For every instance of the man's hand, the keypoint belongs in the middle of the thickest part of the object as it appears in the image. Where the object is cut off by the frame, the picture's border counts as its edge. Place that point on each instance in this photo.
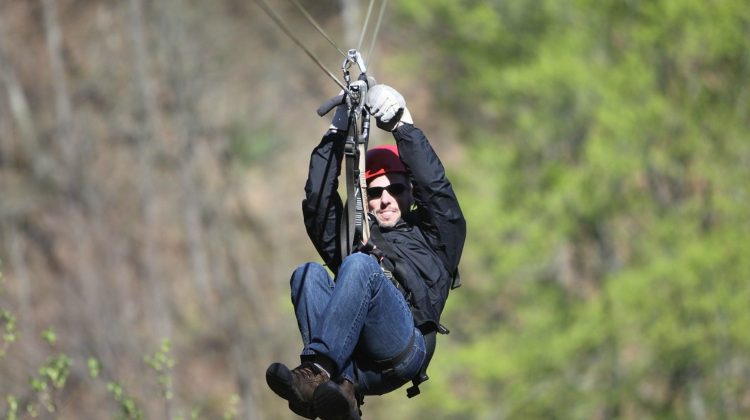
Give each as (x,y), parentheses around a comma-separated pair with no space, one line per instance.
(388,107)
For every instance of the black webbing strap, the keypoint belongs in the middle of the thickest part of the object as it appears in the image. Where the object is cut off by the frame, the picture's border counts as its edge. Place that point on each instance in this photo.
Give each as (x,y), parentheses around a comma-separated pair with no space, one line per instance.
(386,250)
(353,228)
(388,366)
(430,340)
(348,227)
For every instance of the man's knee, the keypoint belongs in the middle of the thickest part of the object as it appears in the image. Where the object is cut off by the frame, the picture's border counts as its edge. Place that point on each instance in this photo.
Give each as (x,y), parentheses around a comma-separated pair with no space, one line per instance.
(307,279)
(305,273)
(364,268)
(359,260)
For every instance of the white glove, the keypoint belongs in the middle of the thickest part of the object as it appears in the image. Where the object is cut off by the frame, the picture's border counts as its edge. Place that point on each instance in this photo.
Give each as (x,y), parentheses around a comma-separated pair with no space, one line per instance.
(387,106)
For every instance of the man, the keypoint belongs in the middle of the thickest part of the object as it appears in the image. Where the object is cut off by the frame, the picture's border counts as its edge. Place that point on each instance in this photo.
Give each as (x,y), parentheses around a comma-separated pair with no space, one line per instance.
(372,329)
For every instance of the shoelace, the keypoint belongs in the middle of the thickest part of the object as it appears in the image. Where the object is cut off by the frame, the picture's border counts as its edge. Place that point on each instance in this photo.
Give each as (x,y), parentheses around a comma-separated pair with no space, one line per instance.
(308,370)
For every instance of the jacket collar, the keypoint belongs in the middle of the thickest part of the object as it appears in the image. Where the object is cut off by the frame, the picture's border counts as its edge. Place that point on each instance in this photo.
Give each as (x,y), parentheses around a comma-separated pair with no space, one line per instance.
(401,224)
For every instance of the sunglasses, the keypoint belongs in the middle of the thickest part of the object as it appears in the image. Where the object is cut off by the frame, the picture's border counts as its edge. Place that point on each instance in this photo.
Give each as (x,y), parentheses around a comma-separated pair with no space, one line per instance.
(393,189)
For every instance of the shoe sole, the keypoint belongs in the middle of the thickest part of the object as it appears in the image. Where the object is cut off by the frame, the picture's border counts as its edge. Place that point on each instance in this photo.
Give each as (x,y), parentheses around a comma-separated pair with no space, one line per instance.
(331,404)
(279,379)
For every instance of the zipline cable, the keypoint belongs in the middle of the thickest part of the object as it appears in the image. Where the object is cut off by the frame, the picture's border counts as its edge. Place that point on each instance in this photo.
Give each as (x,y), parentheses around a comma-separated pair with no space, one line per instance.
(316,26)
(277,19)
(364,27)
(368,55)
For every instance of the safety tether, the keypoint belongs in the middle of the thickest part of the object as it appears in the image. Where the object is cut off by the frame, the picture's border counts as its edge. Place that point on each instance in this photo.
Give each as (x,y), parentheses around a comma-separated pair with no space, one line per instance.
(354,229)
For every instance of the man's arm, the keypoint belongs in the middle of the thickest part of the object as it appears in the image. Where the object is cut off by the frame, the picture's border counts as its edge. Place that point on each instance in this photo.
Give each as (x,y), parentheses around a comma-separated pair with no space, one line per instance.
(322,207)
(441,216)
(439,213)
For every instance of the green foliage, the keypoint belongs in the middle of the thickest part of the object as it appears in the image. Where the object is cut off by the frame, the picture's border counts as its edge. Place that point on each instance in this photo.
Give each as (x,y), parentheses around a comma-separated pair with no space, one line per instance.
(129,409)
(194,415)
(56,370)
(606,200)
(12,413)
(8,331)
(50,336)
(95,367)
(51,379)
(53,374)
(231,412)
(253,146)
(163,364)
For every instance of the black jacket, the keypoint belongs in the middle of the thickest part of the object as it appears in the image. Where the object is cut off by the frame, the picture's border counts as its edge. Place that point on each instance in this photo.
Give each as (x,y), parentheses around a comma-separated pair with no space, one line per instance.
(428,241)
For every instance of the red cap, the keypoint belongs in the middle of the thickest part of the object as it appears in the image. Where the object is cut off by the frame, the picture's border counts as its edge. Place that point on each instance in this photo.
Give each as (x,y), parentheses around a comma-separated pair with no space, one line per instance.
(383,160)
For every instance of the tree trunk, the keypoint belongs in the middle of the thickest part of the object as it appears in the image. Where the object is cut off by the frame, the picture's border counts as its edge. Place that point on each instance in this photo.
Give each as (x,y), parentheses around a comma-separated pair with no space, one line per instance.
(63,103)
(181,75)
(351,15)
(19,106)
(146,116)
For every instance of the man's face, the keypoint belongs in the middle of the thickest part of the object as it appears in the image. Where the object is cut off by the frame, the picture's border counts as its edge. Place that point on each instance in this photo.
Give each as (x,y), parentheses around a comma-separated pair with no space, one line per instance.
(387,195)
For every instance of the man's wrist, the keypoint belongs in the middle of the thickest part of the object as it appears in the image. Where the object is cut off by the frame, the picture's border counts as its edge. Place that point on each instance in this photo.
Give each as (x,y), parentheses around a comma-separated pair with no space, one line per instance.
(402,124)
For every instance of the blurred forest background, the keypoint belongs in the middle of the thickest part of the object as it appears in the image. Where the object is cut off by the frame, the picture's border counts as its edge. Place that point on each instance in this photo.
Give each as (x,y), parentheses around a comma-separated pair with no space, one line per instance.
(152,162)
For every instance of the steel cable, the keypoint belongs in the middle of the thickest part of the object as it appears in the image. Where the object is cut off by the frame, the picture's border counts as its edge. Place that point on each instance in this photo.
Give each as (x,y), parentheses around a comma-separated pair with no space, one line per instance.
(277,19)
(316,26)
(368,55)
(263,4)
(364,26)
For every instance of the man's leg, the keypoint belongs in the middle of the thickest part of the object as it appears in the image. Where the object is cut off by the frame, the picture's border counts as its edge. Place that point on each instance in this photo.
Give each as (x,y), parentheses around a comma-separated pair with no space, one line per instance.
(368,312)
(311,289)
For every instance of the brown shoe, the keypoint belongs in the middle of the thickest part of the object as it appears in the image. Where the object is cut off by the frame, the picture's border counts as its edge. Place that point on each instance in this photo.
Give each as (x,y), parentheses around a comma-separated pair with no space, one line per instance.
(297,385)
(332,401)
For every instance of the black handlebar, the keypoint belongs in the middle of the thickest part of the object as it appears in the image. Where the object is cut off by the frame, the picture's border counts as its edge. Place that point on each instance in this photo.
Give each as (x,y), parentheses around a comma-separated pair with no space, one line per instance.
(330,104)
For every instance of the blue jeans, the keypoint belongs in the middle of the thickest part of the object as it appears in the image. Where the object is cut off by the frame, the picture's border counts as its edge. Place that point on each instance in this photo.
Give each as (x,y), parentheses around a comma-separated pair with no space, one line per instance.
(357,320)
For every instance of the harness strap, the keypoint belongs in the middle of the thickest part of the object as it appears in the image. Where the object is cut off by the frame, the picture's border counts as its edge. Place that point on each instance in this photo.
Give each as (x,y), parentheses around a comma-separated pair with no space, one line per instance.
(383,249)
(430,341)
(362,182)
(348,224)
(354,228)
(430,337)
(388,366)
(406,294)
